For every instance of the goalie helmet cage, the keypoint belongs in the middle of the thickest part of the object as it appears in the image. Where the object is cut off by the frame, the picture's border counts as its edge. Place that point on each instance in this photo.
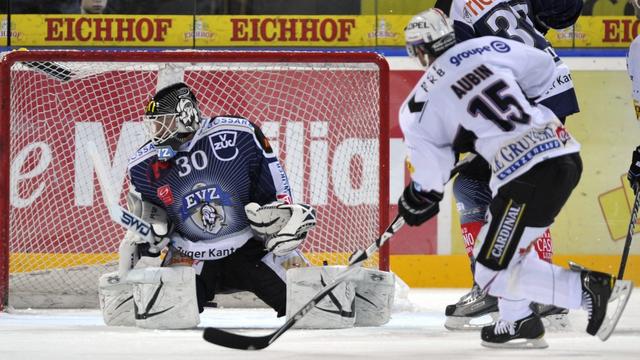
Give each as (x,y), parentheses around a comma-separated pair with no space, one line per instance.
(325,114)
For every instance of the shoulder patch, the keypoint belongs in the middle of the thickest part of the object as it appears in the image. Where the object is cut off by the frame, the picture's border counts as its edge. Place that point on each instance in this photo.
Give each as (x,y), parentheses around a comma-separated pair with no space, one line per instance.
(147,150)
(230,120)
(222,123)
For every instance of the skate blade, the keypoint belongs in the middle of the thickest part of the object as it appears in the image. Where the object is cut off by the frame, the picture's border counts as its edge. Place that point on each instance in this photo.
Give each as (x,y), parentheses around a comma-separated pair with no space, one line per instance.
(621,292)
(539,343)
(462,323)
(557,322)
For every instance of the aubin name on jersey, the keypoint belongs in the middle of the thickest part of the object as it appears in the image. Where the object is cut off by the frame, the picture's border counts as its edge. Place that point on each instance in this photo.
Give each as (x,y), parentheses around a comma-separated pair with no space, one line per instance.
(468,81)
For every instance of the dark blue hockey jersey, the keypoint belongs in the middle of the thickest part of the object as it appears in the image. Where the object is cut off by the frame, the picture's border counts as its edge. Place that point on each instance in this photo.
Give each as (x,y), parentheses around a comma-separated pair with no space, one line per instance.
(516,20)
(206,185)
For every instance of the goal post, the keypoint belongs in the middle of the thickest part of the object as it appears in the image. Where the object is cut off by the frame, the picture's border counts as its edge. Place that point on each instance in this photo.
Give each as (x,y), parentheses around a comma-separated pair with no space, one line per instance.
(325,113)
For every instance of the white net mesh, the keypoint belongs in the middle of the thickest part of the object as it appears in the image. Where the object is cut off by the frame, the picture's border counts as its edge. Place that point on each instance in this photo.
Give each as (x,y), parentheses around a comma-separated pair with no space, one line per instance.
(322,118)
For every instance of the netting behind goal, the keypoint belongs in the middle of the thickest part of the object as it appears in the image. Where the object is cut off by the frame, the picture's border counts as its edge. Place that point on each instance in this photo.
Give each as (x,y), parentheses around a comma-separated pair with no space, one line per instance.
(325,115)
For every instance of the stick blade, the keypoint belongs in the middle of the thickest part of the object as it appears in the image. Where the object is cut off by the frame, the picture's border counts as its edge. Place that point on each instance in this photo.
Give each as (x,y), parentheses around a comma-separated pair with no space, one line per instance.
(236,341)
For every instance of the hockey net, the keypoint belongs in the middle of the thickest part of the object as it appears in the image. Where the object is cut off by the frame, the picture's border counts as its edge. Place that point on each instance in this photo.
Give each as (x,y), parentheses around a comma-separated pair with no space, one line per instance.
(324,113)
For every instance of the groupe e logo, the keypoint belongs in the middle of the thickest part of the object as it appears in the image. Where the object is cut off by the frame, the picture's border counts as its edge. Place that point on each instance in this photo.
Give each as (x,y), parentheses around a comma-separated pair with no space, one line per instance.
(496,45)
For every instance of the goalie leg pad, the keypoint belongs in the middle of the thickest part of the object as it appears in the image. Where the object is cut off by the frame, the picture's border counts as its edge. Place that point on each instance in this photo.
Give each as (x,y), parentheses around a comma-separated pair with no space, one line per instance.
(335,311)
(165,298)
(116,300)
(375,292)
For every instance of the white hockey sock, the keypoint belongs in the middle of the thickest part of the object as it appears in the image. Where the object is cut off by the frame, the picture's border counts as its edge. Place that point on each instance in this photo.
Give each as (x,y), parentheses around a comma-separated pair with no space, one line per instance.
(546,283)
(512,310)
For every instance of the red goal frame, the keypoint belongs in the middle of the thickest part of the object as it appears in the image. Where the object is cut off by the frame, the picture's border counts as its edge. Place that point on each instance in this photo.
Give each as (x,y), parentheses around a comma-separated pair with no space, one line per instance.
(177,56)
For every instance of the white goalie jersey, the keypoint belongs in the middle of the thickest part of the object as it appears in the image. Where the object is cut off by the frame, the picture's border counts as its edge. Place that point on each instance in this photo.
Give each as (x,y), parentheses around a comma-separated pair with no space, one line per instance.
(479,96)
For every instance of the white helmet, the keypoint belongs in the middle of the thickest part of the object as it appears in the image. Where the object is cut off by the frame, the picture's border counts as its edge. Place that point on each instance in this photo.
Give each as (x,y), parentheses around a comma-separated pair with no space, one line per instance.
(431,32)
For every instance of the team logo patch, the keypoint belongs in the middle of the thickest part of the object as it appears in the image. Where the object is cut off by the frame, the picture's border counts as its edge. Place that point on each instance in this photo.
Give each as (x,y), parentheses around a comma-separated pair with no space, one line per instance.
(563,134)
(165,195)
(165,153)
(223,144)
(205,206)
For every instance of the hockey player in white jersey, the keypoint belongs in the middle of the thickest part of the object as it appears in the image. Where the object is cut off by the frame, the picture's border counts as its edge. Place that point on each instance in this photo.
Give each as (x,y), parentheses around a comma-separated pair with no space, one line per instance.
(633,68)
(479,96)
(525,21)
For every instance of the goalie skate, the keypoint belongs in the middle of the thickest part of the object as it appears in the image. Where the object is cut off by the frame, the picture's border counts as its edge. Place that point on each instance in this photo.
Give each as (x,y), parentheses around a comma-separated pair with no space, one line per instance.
(526,333)
(472,312)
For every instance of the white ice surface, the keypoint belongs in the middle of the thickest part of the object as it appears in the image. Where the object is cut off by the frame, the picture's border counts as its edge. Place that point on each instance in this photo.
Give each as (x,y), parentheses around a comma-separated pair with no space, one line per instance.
(414,334)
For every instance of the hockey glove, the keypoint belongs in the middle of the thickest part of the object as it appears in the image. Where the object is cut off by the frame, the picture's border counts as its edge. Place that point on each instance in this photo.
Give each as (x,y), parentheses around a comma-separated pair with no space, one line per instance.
(416,207)
(282,227)
(161,233)
(634,170)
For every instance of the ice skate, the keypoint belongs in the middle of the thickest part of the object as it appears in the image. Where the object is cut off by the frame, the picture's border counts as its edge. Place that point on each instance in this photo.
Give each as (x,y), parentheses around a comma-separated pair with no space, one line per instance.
(553,317)
(473,311)
(599,292)
(526,333)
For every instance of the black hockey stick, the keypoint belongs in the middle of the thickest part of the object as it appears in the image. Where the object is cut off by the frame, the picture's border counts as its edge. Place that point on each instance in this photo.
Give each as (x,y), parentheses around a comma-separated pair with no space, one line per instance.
(627,243)
(243,342)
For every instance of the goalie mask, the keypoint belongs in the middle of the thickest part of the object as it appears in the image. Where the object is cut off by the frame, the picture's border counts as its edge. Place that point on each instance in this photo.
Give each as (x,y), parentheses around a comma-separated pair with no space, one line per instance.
(172,115)
(429,33)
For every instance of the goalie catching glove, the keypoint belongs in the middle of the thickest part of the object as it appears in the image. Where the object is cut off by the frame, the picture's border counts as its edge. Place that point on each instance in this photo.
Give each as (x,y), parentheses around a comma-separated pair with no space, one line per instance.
(283,227)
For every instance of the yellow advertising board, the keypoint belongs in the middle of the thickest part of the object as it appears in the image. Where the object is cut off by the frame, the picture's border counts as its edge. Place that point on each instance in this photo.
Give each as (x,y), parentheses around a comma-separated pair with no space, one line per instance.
(300,31)
(102,30)
(62,30)
(598,32)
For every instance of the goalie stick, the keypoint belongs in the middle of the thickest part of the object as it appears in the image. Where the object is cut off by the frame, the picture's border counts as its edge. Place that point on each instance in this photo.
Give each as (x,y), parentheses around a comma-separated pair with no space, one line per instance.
(121,216)
(242,342)
(117,213)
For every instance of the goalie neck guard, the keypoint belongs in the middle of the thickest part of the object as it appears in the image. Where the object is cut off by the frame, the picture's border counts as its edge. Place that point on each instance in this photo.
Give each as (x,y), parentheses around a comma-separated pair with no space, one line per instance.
(172,115)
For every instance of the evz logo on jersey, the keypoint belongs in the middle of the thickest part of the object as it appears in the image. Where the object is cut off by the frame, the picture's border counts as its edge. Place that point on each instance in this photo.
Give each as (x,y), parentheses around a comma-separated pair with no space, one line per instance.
(204,205)
(223,145)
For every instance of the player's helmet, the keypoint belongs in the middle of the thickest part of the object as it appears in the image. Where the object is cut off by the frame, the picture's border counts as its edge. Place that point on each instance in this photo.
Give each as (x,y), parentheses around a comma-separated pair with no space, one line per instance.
(429,33)
(172,114)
